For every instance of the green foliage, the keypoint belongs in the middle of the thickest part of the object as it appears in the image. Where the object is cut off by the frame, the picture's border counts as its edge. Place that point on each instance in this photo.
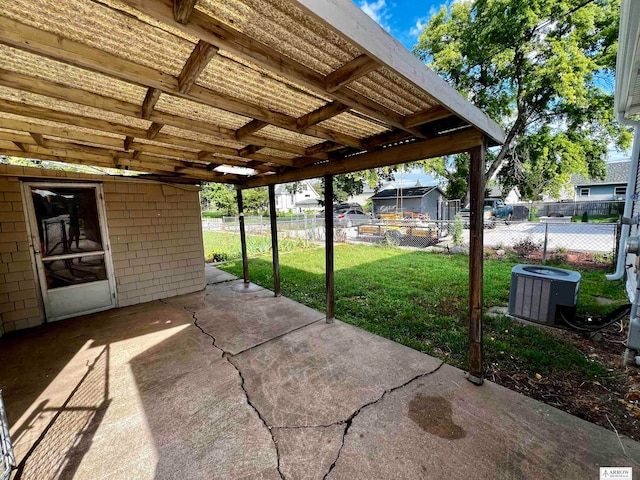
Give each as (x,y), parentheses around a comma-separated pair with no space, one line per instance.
(209,214)
(222,247)
(458,226)
(219,196)
(585,217)
(537,67)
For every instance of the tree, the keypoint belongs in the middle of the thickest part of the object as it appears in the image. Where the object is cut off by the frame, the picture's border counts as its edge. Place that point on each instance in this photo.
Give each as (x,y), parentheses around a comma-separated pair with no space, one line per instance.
(219,196)
(541,69)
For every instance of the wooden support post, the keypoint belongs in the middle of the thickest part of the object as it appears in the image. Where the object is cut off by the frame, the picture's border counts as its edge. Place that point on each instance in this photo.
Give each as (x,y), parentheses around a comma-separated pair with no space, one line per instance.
(328,235)
(274,240)
(477,184)
(243,238)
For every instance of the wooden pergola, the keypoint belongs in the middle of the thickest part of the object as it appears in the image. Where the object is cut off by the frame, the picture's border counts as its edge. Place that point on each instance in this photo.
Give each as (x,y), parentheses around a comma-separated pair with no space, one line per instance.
(190,90)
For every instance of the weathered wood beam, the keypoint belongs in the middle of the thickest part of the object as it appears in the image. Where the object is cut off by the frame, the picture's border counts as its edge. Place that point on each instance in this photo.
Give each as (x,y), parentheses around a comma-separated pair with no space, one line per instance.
(20,146)
(243,238)
(238,43)
(476,232)
(426,116)
(39,139)
(460,141)
(329,272)
(149,103)
(275,254)
(182,10)
(153,130)
(196,63)
(51,45)
(350,72)
(248,150)
(128,140)
(321,114)
(64,132)
(250,128)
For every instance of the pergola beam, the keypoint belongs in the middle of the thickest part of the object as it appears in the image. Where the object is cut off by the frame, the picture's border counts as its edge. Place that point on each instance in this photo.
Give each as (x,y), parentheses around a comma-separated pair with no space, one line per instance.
(249,129)
(426,116)
(457,142)
(238,43)
(196,63)
(40,42)
(182,10)
(149,103)
(321,114)
(350,72)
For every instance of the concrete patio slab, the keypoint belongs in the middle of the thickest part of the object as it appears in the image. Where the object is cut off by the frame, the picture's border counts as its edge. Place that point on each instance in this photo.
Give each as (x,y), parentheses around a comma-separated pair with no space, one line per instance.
(215,275)
(323,373)
(146,392)
(241,320)
(441,424)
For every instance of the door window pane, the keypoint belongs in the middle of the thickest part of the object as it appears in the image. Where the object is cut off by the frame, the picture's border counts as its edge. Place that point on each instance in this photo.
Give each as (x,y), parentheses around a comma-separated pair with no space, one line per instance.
(74,271)
(67,219)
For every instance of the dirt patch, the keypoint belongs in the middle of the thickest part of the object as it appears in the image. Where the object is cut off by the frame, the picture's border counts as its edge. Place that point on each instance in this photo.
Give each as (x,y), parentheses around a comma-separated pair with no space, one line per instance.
(433,415)
(612,402)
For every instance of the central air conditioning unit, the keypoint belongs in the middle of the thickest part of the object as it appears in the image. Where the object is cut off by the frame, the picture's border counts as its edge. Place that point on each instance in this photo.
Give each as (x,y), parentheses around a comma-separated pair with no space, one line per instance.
(539,294)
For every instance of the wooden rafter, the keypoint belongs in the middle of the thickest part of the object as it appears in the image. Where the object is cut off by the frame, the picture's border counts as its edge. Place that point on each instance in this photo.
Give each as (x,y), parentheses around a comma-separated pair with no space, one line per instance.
(426,116)
(250,128)
(350,72)
(196,63)
(238,43)
(457,142)
(153,130)
(39,139)
(44,43)
(128,140)
(321,114)
(149,103)
(248,150)
(182,10)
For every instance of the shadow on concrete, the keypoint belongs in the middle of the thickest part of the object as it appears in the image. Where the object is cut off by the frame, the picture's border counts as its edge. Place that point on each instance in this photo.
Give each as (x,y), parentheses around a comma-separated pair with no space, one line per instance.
(59,449)
(36,356)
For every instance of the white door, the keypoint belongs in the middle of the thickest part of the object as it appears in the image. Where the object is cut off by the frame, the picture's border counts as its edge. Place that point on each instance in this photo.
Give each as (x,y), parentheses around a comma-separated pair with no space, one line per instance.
(70,247)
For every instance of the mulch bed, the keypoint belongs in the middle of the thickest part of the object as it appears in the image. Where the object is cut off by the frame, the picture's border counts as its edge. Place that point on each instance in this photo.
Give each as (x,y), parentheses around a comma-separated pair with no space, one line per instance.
(612,402)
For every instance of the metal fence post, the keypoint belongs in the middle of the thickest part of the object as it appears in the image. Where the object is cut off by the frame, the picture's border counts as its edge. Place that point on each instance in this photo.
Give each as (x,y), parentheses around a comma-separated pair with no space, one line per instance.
(546,240)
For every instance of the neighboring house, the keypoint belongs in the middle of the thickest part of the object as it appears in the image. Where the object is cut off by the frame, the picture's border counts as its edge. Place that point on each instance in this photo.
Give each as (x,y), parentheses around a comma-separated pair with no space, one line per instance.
(421,200)
(368,192)
(288,198)
(612,187)
(513,196)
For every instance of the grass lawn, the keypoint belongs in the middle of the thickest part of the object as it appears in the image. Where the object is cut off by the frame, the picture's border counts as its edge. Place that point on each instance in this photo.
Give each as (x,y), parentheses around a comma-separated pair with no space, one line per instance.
(220,246)
(597,218)
(420,299)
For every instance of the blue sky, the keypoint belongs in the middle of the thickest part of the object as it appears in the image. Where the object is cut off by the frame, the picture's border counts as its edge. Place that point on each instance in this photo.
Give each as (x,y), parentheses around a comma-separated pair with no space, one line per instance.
(401,18)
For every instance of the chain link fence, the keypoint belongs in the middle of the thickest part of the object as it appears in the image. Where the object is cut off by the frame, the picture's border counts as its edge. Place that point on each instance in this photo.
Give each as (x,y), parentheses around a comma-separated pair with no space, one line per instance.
(559,238)
(6,448)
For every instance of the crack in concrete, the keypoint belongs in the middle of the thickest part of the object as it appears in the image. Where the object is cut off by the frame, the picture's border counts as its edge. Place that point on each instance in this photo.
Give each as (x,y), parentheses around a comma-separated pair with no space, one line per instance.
(346,422)
(227,356)
(349,421)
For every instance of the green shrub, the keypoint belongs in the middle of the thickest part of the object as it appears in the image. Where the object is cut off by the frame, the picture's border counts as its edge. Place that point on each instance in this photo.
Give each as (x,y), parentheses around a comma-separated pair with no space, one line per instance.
(585,217)
(458,226)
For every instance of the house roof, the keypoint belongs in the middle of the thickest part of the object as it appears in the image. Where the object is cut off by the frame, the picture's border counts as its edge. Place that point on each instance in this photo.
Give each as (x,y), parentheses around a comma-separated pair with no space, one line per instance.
(617,172)
(412,192)
(290,89)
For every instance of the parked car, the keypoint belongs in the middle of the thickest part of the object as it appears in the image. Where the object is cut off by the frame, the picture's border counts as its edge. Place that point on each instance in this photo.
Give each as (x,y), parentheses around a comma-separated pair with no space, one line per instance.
(494,209)
(348,215)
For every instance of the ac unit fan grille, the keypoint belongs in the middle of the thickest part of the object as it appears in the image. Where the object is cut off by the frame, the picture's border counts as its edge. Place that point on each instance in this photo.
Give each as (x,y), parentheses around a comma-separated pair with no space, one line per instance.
(532,298)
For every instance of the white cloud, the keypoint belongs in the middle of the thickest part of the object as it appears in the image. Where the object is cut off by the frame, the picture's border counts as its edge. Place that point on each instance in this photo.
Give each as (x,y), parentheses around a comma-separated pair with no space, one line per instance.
(377,10)
(416,30)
